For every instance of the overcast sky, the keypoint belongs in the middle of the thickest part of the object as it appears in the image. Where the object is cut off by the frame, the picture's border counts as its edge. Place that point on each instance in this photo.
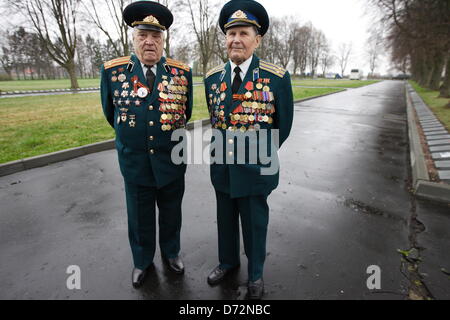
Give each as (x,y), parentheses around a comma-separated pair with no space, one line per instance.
(342,21)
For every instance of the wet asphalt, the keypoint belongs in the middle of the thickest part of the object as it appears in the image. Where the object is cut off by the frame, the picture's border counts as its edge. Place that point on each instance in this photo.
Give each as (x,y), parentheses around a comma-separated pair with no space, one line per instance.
(342,205)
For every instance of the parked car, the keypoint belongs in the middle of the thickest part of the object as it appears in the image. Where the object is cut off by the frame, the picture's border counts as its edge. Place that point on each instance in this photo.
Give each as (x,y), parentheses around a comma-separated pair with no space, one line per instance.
(355,74)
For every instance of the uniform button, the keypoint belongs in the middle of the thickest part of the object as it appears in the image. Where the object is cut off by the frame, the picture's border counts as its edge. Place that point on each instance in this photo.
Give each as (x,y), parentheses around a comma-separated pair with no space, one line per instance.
(150,108)
(151,123)
(230,141)
(152,151)
(151,138)
(230,153)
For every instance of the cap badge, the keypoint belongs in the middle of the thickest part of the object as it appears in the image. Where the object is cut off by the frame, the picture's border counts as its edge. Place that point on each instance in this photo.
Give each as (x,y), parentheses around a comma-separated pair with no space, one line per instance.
(239,15)
(151,19)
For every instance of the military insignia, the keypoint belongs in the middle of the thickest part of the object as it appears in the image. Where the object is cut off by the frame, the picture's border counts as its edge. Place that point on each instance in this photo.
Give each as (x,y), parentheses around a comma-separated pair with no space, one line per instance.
(163,95)
(222,75)
(130,66)
(122,77)
(255,74)
(249,86)
(259,86)
(124,94)
(239,15)
(151,19)
(137,103)
(142,93)
(127,102)
(132,122)
(114,79)
(125,85)
(123,117)
(133,94)
(116,93)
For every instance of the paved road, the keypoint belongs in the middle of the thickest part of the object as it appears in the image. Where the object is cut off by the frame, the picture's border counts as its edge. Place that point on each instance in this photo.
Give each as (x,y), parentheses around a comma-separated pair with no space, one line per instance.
(342,205)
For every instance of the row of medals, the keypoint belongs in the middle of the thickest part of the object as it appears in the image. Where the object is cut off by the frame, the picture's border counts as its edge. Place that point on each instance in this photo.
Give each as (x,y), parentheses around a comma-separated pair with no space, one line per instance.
(172,96)
(254,111)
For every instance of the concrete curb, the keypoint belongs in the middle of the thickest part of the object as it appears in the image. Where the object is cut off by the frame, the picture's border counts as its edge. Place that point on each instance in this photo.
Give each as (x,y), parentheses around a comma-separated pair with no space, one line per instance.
(323,95)
(32,92)
(423,187)
(46,159)
(50,158)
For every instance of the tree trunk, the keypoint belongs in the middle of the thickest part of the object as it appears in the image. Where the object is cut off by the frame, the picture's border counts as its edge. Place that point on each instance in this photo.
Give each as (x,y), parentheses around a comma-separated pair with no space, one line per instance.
(71,70)
(445,87)
(435,80)
(168,44)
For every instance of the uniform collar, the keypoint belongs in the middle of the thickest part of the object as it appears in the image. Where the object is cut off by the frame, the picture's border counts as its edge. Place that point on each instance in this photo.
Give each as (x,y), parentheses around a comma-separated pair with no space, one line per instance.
(244,67)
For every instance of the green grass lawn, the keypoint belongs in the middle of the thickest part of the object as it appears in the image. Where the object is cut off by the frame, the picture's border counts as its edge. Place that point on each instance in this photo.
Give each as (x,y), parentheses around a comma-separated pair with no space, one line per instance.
(302,93)
(436,104)
(333,83)
(31,126)
(26,85)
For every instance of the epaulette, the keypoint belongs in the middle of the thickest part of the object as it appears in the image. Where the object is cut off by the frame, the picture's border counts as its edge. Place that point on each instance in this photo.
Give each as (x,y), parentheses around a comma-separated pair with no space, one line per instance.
(177,64)
(214,70)
(116,62)
(272,68)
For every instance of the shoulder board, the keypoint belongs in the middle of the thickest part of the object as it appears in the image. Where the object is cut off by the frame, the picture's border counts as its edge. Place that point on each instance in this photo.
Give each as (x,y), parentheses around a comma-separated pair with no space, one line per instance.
(177,64)
(116,62)
(272,68)
(214,70)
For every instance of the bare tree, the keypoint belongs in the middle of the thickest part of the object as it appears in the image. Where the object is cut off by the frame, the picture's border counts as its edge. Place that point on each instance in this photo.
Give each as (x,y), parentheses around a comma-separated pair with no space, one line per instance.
(96,10)
(344,52)
(375,48)
(55,22)
(204,26)
(315,49)
(419,30)
(302,39)
(327,59)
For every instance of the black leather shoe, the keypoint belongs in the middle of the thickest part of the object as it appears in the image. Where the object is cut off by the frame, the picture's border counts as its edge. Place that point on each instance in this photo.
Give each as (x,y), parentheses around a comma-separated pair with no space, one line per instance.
(255,289)
(138,277)
(175,264)
(218,274)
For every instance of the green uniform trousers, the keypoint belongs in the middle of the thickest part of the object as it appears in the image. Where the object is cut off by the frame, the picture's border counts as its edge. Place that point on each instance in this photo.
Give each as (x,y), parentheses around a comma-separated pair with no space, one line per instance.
(254,213)
(142,220)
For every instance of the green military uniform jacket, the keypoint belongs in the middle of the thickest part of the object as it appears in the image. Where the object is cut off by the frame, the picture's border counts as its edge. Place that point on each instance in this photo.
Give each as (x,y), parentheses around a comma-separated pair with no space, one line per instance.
(144,118)
(264,101)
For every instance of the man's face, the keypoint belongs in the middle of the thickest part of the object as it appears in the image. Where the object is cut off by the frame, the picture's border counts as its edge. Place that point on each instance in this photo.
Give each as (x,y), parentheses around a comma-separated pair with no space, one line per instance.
(241,43)
(148,46)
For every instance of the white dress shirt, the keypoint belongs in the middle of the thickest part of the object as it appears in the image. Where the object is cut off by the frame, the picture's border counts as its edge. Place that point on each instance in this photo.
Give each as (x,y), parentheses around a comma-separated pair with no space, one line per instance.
(144,69)
(244,68)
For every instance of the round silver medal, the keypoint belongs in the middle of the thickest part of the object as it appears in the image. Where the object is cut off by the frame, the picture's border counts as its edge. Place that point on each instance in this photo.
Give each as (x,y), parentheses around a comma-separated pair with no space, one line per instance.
(142,92)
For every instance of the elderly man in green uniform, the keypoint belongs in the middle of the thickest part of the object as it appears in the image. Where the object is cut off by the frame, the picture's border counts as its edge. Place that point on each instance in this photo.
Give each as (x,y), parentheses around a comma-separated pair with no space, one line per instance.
(145,97)
(246,95)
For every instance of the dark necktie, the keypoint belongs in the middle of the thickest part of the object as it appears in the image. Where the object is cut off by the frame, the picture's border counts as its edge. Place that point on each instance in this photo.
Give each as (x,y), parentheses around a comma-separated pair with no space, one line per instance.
(150,77)
(237,81)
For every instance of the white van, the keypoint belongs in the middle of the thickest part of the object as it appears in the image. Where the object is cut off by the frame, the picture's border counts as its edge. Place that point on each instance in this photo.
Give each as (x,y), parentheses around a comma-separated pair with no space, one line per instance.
(355,74)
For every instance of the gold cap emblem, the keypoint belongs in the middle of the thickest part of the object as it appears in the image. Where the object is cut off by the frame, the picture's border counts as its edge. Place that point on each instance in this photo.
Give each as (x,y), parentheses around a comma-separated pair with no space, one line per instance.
(239,15)
(151,19)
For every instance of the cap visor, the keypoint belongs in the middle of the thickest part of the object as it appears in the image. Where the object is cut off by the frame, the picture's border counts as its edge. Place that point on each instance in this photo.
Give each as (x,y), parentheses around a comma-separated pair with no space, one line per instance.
(148,27)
